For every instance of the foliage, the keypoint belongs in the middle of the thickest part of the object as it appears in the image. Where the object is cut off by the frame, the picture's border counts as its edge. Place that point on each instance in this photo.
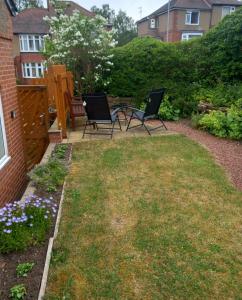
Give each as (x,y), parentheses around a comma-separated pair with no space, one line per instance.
(105,11)
(49,176)
(25,223)
(18,292)
(123,25)
(23,269)
(82,44)
(217,55)
(168,112)
(205,69)
(215,122)
(223,124)
(24,4)
(60,151)
(146,64)
(221,95)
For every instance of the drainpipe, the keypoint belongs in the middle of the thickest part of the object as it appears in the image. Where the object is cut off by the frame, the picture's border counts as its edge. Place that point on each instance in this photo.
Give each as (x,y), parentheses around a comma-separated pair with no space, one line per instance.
(168,21)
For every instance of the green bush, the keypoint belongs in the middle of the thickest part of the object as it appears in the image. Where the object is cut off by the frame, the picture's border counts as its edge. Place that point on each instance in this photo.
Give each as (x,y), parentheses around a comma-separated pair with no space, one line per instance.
(168,112)
(18,292)
(223,124)
(215,122)
(146,64)
(221,95)
(205,69)
(23,224)
(50,175)
(22,270)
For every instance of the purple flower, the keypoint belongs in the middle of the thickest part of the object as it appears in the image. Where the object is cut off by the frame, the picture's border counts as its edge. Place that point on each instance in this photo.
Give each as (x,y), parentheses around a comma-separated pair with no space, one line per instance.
(7,231)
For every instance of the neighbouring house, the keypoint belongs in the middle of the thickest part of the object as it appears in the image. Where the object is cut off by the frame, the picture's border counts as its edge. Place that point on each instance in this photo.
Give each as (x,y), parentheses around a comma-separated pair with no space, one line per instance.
(12,164)
(185,19)
(29,29)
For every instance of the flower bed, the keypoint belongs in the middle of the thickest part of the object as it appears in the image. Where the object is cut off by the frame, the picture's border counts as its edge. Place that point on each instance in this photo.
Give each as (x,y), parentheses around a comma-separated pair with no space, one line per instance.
(25,229)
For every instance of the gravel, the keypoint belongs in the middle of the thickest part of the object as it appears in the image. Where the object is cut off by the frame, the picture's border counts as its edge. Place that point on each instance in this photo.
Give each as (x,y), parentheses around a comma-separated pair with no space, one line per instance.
(227,153)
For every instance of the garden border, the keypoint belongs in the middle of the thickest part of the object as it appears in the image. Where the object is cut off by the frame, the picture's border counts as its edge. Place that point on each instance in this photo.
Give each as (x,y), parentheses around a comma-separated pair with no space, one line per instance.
(51,242)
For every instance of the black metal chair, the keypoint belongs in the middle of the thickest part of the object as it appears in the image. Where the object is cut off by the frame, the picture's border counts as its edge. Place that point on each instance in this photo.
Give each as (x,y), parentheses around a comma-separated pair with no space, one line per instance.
(151,112)
(98,113)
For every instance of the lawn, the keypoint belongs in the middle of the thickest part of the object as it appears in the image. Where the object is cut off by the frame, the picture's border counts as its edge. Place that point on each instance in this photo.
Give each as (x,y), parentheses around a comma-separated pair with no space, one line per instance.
(147,218)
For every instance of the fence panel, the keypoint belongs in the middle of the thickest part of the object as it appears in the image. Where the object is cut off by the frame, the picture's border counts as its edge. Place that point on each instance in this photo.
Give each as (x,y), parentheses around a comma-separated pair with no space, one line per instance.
(33,104)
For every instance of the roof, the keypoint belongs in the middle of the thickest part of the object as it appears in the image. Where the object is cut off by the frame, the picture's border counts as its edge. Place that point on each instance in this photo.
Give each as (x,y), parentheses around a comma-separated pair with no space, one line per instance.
(31,20)
(225,2)
(11,6)
(190,4)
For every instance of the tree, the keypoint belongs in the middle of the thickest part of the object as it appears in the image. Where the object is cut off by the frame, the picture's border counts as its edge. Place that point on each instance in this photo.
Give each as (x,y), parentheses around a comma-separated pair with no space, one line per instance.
(125,28)
(123,25)
(23,4)
(106,12)
(82,44)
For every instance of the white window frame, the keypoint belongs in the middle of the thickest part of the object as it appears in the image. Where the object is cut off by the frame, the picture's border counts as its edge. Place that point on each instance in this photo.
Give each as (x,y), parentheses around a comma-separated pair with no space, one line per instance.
(231,10)
(188,17)
(29,66)
(3,160)
(153,23)
(185,35)
(27,38)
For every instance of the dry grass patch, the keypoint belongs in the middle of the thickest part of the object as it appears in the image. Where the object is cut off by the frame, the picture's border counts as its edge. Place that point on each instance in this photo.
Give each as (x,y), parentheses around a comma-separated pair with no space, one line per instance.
(147,218)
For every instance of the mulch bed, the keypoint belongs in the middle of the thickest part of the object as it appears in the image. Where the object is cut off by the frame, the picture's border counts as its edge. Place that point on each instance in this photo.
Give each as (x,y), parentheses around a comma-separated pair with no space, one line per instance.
(228,153)
(35,254)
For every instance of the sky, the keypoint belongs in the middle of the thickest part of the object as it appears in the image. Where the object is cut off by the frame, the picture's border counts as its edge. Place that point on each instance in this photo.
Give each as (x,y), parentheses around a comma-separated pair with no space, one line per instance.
(132,7)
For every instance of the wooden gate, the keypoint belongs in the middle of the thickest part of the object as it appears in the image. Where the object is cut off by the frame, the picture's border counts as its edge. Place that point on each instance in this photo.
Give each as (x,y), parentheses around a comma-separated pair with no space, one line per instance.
(33,104)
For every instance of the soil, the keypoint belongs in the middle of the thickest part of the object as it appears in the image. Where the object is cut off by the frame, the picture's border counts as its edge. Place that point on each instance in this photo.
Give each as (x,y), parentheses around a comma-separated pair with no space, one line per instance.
(228,153)
(35,254)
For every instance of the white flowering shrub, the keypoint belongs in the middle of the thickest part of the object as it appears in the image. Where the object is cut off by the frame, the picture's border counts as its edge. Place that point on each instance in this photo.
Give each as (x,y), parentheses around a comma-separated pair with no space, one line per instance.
(82,44)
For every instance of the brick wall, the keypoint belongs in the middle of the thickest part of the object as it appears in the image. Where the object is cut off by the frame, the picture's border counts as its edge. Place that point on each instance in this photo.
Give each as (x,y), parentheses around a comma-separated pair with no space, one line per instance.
(12,175)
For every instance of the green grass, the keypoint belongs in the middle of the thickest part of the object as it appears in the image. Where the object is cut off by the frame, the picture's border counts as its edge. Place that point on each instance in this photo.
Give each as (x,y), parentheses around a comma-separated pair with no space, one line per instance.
(147,218)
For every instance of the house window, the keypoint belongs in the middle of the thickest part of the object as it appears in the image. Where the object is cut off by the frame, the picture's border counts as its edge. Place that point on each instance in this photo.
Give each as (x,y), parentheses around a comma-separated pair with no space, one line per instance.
(31,43)
(227,10)
(4,158)
(190,35)
(153,23)
(33,70)
(192,18)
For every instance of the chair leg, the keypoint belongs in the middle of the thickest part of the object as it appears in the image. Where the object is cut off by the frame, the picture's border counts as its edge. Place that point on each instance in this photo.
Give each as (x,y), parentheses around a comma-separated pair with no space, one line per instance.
(162,122)
(130,121)
(84,131)
(119,124)
(112,129)
(143,123)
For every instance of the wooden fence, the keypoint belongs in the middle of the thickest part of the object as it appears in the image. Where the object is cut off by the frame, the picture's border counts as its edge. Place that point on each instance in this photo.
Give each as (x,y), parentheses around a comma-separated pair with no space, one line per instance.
(58,80)
(33,105)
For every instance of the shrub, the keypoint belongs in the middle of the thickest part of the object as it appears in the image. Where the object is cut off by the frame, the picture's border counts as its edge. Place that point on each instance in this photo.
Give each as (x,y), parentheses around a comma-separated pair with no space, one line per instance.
(60,151)
(25,224)
(220,95)
(205,69)
(145,64)
(168,112)
(224,124)
(215,122)
(49,176)
(18,292)
(23,269)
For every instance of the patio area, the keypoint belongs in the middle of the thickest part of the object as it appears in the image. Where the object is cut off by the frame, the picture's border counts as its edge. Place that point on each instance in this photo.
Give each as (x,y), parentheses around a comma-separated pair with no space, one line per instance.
(76,136)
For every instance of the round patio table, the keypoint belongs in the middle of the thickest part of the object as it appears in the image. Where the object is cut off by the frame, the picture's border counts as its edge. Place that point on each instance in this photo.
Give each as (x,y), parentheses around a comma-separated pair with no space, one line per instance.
(123,108)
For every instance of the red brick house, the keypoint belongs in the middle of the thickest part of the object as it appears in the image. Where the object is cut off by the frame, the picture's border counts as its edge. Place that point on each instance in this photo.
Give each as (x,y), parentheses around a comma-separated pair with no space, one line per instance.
(12,165)
(185,19)
(29,29)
